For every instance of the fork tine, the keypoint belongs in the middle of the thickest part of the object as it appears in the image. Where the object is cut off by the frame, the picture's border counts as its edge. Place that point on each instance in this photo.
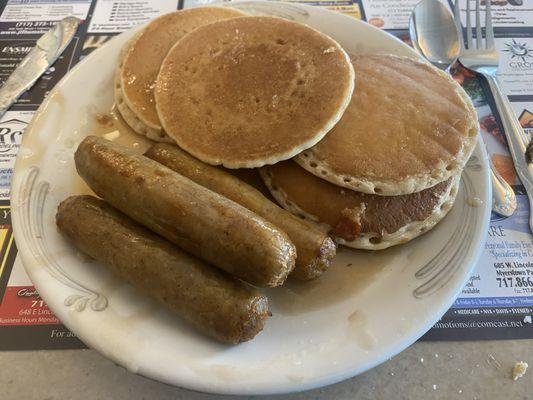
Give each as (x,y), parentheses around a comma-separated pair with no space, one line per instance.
(469,43)
(489,31)
(479,37)
(458,25)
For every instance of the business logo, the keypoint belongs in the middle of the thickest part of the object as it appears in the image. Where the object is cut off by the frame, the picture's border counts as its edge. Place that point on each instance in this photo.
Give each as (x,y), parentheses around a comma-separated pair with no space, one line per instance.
(521,54)
(11,134)
(16,50)
(28,292)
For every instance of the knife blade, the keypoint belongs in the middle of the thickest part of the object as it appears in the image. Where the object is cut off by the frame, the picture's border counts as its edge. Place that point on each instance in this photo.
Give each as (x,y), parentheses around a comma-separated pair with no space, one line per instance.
(46,51)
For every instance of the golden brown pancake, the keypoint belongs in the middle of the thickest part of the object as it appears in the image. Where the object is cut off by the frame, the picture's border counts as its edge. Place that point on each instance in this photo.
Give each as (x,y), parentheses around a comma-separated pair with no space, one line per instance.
(355,219)
(408,127)
(251,91)
(145,55)
(126,113)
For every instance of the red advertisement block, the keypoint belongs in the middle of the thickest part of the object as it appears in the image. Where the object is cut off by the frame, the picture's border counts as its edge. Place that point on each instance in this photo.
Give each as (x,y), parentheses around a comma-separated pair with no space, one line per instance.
(22,305)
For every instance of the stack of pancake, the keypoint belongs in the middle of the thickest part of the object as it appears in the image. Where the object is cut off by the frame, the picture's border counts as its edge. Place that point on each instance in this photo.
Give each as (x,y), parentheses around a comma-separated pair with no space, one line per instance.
(390,169)
(141,58)
(368,147)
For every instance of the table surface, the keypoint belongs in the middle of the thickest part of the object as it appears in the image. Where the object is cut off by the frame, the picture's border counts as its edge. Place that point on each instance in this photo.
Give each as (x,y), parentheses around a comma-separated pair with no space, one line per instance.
(426,370)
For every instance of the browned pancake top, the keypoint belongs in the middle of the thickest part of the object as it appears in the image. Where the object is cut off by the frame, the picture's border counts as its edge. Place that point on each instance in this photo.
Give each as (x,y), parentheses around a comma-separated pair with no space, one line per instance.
(404,119)
(253,90)
(142,62)
(329,203)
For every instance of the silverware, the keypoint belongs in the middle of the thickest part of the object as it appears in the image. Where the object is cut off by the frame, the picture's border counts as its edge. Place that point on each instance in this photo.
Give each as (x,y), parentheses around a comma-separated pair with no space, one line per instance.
(483,58)
(434,35)
(46,51)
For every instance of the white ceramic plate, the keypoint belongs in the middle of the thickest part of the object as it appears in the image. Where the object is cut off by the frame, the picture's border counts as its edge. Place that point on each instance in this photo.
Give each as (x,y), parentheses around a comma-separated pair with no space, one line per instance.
(367,308)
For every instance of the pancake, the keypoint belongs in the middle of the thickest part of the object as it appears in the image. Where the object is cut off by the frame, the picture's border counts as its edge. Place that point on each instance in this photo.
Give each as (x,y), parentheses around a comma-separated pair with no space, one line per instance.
(355,219)
(126,113)
(250,91)
(142,59)
(408,127)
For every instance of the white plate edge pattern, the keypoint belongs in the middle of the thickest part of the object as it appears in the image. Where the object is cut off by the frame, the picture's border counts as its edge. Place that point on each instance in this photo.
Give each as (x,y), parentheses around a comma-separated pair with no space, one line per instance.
(33,197)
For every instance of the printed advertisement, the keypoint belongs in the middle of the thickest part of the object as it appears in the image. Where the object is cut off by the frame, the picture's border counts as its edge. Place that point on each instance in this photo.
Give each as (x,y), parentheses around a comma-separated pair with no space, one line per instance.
(524,113)
(44,10)
(505,13)
(26,322)
(348,7)
(12,125)
(115,16)
(516,65)
(35,17)
(389,14)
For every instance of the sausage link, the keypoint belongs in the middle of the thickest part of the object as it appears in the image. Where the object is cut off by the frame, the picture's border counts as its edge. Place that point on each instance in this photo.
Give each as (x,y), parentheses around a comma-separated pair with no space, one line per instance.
(315,248)
(214,303)
(200,221)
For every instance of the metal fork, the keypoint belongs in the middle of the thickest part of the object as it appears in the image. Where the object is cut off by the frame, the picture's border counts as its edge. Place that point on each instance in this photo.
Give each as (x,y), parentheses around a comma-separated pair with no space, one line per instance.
(483,58)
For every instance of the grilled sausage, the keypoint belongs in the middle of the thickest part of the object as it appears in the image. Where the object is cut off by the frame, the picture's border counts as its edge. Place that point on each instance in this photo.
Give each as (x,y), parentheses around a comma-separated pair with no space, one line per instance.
(200,221)
(216,304)
(315,249)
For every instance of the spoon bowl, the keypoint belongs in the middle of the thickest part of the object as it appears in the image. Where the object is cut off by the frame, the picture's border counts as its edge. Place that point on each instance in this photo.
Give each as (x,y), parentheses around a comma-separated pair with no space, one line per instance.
(434,34)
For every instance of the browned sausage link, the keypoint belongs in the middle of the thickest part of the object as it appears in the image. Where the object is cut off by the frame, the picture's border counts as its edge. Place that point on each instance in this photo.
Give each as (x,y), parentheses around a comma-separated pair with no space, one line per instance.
(315,249)
(198,220)
(213,302)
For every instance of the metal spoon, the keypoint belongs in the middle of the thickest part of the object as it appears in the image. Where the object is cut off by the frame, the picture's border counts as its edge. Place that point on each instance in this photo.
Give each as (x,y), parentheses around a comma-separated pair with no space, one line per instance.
(434,35)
